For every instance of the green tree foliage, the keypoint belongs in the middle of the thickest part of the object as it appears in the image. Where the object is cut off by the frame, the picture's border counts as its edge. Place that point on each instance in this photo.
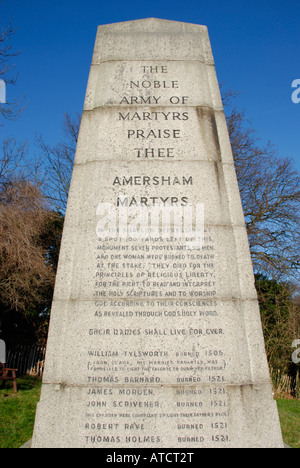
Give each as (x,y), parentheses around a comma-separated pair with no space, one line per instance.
(280,320)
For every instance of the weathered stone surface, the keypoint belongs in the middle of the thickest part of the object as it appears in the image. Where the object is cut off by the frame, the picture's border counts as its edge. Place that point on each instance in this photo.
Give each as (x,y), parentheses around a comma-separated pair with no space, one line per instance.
(154,341)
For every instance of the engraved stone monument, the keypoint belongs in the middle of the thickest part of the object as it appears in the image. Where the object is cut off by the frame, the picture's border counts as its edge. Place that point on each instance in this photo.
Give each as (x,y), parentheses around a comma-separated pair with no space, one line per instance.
(155,336)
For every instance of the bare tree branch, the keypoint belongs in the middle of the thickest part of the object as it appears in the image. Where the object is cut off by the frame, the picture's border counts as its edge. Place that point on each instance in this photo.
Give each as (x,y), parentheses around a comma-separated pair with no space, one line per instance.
(10,110)
(24,270)
(270,192)
(12,157)
(60,159)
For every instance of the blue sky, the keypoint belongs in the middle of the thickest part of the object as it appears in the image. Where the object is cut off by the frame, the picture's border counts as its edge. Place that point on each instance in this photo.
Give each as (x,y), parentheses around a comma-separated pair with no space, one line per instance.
(256,45)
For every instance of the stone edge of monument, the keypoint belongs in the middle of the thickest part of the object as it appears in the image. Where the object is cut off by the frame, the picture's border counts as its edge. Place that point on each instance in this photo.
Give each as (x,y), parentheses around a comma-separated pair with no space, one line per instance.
(106,50)
(238,239)
(28,445)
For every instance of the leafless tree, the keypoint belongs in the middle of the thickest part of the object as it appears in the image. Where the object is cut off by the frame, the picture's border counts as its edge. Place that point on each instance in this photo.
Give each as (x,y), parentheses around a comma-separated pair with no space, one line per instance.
(270,192)
(24,270)
(10,110)
(26,225)
(60,159)
(12,160)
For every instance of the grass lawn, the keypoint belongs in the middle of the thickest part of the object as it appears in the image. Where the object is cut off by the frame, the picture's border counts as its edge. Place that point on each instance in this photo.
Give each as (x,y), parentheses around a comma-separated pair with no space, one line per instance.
(289,414)
(17,413)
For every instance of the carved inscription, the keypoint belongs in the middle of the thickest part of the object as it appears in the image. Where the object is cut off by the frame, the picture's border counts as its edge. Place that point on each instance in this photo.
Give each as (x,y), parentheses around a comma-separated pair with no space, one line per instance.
(157,331)
(144,136)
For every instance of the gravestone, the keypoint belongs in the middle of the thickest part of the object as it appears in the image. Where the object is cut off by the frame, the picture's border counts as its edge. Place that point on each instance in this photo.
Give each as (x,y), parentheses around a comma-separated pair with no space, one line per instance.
(155,336)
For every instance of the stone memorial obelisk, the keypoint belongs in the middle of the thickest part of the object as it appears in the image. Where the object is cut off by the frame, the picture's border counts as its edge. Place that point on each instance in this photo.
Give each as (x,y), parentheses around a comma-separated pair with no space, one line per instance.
(155,337)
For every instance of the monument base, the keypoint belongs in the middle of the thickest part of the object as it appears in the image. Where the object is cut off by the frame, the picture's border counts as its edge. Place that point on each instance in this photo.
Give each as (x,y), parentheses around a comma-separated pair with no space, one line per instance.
(158,417)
